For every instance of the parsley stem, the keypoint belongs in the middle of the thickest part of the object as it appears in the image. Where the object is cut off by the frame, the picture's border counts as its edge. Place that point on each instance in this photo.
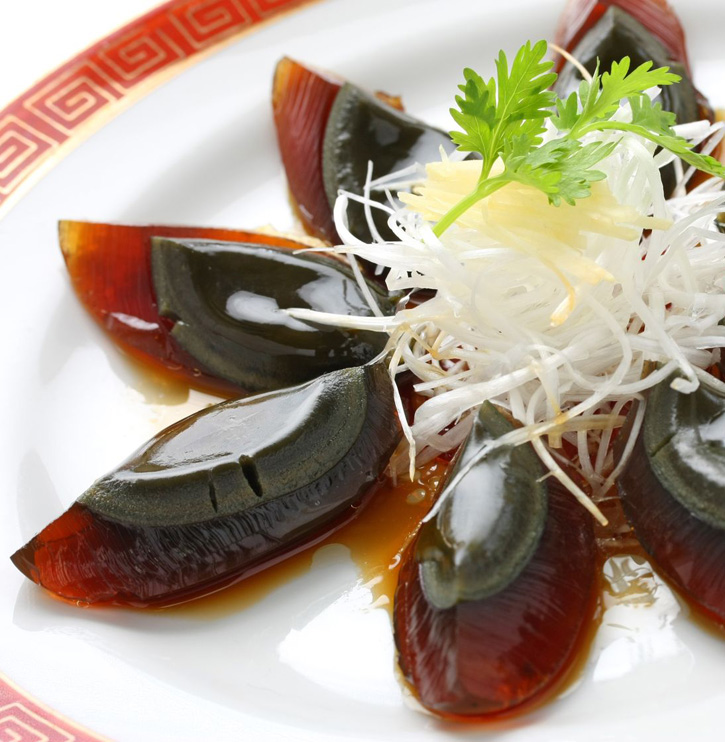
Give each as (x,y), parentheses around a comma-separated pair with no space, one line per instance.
(676,145)
(616,126)
(484,189)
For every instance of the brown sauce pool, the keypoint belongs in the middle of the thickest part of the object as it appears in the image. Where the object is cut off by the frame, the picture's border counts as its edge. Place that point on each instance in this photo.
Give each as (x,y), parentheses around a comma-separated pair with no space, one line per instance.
(376,539)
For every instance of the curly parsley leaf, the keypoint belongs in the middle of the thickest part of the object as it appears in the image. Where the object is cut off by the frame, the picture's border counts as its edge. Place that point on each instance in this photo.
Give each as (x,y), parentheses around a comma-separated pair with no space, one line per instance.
(650,122)
(505,119)
(567,112)
(514,103)
(601,97)
(651,115)
(563,169)
(476,113)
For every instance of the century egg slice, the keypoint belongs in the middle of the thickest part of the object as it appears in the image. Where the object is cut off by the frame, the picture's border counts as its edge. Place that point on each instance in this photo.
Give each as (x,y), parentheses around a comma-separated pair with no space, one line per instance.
(301,103)
(616,35)
(672,490)
(328,130)
(227,302)
(496,593)
(222,494)
(362,129)
(657,16)
(238,338)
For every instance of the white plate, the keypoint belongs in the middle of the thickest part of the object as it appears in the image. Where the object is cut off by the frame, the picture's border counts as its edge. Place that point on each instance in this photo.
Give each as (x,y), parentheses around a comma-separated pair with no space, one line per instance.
(312,660)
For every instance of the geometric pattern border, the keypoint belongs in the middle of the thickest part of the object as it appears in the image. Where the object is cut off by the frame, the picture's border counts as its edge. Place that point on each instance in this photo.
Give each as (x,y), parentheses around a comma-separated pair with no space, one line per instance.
(88,88)
(36,126)
(23,719)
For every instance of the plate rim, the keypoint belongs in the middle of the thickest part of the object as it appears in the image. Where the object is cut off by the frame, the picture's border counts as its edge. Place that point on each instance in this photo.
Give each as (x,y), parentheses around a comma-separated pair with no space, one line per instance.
(43,124)
(62,109)
(132,97)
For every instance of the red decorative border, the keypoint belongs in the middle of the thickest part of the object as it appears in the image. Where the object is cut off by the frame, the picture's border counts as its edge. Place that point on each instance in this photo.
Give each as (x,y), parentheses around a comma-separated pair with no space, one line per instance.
(74,99)
(25,720)
(85,90)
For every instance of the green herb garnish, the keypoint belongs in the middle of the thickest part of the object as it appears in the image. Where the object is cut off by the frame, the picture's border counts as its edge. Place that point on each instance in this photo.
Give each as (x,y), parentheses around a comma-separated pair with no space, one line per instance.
(506,117)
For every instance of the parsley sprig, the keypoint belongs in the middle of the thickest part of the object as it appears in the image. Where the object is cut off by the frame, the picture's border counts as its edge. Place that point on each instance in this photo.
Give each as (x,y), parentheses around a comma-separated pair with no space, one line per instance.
(505,118)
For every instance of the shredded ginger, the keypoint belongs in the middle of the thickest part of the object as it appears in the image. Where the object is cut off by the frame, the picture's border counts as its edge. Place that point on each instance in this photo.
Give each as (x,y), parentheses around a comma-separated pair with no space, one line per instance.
(561,315)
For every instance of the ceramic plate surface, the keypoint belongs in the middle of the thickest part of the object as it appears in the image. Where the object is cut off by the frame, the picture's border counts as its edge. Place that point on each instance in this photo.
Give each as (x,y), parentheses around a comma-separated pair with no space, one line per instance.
(313,658)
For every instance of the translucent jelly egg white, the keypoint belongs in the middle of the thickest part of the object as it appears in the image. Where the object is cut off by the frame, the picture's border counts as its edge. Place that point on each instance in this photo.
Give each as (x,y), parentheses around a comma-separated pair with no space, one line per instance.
(556,314)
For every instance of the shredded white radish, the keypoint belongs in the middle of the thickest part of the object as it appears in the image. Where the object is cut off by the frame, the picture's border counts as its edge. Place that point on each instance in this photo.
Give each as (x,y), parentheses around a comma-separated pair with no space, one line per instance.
(555,314)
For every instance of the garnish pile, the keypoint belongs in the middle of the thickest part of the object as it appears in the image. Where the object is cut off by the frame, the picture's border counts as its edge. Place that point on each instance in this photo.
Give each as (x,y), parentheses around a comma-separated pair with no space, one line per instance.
(565,282)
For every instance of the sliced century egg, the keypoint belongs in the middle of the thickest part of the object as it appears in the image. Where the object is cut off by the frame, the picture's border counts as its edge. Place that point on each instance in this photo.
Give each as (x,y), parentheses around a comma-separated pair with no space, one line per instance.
(361,129)
(110,270)
(497,592)
(222,494)
(657,16)
(219,322)
(227,303)
(301,103)
(616,35)
(328,130)
(672,490)
(489,525)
